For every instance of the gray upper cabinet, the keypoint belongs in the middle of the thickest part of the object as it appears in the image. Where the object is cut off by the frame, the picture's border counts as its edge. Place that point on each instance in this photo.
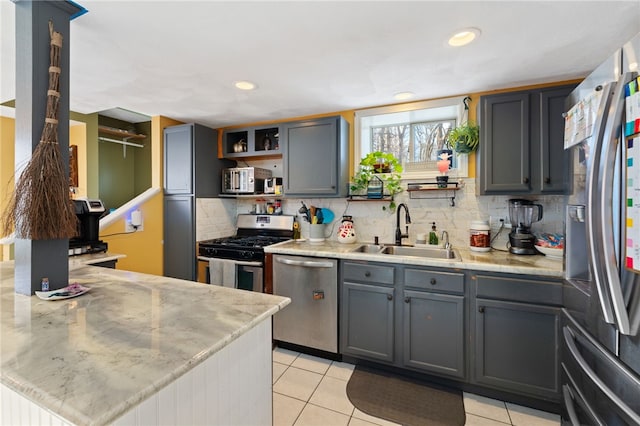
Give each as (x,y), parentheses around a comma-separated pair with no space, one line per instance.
(522,142)
(517,335)
(315,157)
(191,164)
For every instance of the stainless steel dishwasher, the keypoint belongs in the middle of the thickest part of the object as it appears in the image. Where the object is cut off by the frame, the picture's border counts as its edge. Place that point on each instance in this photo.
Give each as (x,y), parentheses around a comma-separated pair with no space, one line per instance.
(311,319)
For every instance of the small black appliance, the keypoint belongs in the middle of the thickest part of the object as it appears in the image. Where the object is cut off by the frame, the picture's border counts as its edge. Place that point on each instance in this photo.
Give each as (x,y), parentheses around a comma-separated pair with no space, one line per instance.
(521,215)
(87,239)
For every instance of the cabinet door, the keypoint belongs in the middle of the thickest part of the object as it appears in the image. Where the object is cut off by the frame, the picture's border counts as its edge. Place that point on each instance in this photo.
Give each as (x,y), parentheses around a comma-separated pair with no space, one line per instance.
(554,165)
(434,333)
(179,241)
(314,161)
(517,347)
(366,325)
(504,144)
(178,160)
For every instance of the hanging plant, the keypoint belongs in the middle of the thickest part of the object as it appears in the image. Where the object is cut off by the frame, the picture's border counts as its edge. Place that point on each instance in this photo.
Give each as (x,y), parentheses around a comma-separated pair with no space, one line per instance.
(465,138)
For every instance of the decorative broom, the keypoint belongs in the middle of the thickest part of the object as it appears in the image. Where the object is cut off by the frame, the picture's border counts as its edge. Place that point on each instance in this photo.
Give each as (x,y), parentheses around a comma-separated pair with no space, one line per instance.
(40,207)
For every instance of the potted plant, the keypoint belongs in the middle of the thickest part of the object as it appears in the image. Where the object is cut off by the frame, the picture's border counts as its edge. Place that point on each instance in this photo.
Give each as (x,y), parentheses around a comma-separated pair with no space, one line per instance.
(386,168)
(465,138)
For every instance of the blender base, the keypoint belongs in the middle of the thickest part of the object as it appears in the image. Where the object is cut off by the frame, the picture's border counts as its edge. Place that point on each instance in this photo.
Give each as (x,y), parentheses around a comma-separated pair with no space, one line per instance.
(522,243)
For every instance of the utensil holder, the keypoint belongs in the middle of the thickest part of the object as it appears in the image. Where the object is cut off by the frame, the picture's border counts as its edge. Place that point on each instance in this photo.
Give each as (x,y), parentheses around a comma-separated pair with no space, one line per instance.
(316,233)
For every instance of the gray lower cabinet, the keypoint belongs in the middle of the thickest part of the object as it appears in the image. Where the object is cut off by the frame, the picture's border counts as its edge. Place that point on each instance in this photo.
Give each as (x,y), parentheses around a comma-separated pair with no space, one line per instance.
(368,325)
(517,334)
(179,237)
(409,317)
(433,327)
(315,157)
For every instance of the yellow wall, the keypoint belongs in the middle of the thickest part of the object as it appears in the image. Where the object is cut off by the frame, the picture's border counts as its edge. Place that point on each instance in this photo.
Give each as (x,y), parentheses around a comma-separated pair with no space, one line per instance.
(78,137)
(7,160)
(144,248)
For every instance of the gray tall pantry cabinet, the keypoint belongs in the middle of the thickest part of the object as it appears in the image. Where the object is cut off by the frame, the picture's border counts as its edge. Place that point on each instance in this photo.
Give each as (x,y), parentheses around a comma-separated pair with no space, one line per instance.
(191,170)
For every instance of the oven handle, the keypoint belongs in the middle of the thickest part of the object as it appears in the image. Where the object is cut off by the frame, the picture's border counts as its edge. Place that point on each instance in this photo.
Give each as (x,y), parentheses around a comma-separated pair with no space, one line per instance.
(237,262)
(305,263)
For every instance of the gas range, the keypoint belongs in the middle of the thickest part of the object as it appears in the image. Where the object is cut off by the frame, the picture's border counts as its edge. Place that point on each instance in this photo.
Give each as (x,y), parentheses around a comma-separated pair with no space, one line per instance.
(254,233)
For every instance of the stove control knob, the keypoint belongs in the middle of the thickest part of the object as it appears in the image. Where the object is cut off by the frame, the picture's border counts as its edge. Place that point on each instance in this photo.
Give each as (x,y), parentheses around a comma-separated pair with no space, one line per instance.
(245,254)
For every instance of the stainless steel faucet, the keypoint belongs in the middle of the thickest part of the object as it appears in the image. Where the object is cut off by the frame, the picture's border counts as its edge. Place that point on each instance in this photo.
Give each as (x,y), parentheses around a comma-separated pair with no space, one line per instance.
(447,245)
(407,220)
(445,240)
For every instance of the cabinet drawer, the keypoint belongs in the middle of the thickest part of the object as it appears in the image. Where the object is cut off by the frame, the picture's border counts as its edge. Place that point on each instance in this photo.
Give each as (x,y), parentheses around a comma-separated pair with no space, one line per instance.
(519,289)
(368,273)
(434,281)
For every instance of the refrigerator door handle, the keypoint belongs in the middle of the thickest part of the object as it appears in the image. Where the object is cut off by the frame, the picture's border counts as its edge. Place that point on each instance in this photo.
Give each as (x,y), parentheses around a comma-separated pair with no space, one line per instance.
(612,135)
(569,339)
(594,177)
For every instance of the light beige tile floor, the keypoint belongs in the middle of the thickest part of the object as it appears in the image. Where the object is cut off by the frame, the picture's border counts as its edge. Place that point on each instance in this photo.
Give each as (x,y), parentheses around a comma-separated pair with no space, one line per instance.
(308,390)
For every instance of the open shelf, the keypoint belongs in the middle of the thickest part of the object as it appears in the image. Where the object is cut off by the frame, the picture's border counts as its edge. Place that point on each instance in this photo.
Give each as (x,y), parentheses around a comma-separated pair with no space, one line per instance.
(119,132)
(434,190)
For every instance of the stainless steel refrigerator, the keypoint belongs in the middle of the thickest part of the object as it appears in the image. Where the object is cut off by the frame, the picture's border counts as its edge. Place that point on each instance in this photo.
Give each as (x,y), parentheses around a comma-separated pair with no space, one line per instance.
(600,362)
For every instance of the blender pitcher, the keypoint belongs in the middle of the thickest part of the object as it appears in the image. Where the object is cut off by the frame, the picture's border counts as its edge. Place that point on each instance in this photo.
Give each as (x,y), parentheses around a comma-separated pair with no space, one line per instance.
(521,215)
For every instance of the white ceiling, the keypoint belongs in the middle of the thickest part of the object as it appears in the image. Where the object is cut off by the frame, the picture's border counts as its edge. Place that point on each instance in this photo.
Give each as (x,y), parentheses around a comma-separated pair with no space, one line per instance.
(180,58)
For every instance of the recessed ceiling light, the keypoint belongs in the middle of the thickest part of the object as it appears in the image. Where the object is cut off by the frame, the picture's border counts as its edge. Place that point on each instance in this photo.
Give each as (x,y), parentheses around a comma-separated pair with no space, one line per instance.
(464,36)
(403,96)
(245,85)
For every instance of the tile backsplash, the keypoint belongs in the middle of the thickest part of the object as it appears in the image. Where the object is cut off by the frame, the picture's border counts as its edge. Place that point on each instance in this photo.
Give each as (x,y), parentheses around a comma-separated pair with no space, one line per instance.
(370,220)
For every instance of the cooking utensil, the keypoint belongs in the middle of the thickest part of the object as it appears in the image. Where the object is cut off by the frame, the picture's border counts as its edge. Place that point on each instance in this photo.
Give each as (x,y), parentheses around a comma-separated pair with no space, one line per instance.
(320,215)
(305,211)
(328,215)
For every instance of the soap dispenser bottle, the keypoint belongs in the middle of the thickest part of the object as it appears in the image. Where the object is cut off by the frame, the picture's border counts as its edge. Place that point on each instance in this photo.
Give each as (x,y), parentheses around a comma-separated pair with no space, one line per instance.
(433,235)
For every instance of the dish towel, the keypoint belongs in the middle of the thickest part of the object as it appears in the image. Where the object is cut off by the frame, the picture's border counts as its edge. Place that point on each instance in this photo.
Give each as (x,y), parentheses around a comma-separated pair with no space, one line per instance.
(223,272)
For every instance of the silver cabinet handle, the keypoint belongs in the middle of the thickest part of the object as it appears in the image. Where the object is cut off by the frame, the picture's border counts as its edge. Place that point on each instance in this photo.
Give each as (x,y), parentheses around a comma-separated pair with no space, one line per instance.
(305,263)
(569,339)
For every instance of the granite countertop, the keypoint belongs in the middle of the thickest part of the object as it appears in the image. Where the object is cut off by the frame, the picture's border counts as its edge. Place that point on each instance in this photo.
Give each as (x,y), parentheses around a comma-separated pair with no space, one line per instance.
(93,357)
(90,259)
(493,261)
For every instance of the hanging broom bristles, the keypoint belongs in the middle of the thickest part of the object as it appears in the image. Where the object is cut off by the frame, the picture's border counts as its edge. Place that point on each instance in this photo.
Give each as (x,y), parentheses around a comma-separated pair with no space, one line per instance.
(40,207)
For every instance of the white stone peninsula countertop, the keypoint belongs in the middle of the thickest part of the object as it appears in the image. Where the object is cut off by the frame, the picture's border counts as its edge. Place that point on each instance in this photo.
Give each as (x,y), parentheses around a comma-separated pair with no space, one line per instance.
(92,358)
(494,260)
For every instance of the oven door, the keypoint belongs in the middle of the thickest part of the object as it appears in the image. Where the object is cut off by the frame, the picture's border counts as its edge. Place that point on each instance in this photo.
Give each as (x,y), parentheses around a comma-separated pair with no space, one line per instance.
(244,275)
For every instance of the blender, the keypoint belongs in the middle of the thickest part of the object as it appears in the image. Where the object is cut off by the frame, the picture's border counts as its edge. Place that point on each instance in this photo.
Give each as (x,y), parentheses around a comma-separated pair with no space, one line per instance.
(521,215)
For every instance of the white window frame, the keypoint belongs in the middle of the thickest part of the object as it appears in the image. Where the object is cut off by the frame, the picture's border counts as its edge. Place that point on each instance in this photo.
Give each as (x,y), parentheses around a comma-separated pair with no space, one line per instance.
(455,103)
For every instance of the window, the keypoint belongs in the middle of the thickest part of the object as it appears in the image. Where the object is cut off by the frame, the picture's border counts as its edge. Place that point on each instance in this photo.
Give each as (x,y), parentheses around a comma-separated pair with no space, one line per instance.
(413,132)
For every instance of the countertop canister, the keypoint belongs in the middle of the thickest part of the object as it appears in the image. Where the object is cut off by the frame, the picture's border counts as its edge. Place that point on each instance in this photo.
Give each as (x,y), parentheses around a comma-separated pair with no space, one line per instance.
(479,236)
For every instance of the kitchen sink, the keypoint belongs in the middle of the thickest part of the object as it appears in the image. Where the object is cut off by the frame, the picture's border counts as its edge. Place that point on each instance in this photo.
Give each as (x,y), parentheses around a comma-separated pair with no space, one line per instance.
(368,248)
(433,253)
(427,252)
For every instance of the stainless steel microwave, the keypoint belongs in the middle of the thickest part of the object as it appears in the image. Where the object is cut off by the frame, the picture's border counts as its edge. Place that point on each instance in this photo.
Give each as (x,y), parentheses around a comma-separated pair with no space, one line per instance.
(244,180)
